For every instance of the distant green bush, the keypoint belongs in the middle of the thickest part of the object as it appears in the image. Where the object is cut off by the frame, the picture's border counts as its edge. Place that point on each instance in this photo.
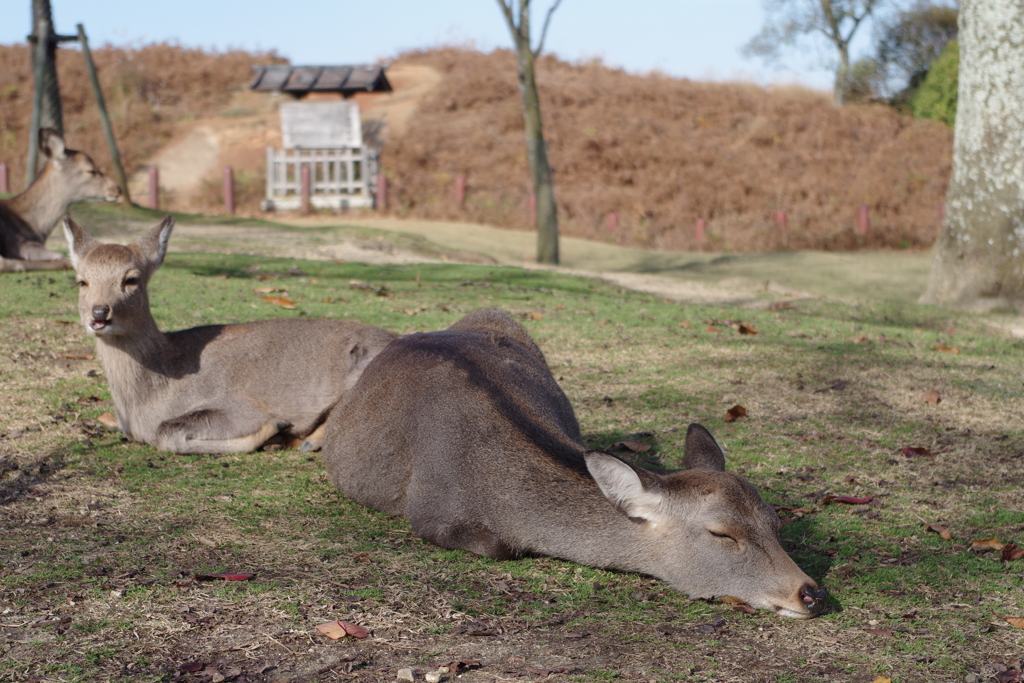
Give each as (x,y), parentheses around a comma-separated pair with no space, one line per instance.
(936,98)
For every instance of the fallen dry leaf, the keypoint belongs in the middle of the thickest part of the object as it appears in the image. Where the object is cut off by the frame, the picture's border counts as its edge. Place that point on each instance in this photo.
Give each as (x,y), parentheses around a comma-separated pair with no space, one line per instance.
(1011,552)
(986,544)
(334,300)
(849,500)
(881,679)
(635,446)
(712,328)
(88,400)
(1015,621)
(332,629)
(533,315)
(108,420)
(269,290)
(940,530)
(282,301)
(735,413)
(225,577)
(686,325)
(746,328)
(932,397)
(191,667)
(880,632)
(76,356)
(947,349)
(455,667)
(737,604)
(916,452)
(354,630)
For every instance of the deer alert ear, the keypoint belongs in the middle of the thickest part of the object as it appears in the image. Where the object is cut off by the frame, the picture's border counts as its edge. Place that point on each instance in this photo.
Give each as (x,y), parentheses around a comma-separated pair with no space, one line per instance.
(153,245)
(51,144)
(622,486)
(79,241)
(702,452)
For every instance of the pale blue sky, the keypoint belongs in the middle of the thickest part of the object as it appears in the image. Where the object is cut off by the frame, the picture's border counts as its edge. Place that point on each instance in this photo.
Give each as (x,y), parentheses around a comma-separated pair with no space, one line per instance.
(698,39)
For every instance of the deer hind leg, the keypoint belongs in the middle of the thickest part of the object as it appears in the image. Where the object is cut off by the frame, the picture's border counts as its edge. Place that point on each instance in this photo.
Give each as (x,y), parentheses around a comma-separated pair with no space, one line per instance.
(315,440)
(210,431)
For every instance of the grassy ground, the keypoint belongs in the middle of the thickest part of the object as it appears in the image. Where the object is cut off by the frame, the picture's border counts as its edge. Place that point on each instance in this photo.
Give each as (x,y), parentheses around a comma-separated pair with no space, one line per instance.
(100,537)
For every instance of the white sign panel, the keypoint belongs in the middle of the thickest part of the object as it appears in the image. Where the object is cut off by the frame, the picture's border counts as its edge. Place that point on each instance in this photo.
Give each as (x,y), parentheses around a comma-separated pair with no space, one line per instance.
(321,124)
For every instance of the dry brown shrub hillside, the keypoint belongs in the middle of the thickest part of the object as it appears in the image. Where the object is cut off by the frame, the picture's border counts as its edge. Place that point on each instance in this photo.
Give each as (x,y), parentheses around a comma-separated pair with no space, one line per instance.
(662,152)
(147,90)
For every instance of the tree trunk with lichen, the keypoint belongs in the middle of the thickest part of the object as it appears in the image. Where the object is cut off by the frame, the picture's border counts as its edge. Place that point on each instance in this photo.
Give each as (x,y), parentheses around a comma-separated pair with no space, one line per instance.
(978,260)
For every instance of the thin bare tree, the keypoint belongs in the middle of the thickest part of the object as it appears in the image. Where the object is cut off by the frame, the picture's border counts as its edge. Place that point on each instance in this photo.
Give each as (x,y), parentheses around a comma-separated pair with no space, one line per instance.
(836,20)
(978,259)
(536,147)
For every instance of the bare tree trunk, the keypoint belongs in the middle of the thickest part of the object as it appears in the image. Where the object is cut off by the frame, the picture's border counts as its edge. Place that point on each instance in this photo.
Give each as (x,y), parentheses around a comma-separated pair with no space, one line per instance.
(536,147)
(537,154)
(52,115)
(842,82)
(978,259)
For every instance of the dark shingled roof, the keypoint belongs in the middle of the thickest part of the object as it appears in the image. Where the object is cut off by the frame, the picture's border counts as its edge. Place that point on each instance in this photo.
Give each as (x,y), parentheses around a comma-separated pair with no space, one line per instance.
(300,80)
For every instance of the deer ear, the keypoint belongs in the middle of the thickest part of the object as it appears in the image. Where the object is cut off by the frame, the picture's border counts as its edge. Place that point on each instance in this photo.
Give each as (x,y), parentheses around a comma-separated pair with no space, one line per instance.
(702,451)
(153,245)
(79,241)
(622,486)
(51,144)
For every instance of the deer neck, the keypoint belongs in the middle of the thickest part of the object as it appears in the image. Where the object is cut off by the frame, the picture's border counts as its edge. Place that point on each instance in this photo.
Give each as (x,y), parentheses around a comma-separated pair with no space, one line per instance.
(136,369)
(42,204)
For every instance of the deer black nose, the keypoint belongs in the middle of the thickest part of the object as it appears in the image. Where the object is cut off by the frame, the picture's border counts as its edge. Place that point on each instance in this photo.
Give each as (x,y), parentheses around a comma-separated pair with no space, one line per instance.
(100,312)
(813,597)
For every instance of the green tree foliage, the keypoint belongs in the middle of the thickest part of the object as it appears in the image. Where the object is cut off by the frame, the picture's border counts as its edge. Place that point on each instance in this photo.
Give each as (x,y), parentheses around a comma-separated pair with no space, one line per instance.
(909,41)
(936,97)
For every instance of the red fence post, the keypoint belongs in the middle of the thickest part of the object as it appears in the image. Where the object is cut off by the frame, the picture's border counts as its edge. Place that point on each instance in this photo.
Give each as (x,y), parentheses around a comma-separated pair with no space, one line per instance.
(5,177)
(154,187)
(229,190)
(460,191)
(700,231)
(304,189)
(613,222)
(782,227)
(381,200)
(531,208)
(863,221)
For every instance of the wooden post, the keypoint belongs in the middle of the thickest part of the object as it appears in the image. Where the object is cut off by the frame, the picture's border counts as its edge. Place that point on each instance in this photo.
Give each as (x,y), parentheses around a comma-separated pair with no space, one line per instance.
(381,200)
(5,178)
(700,231)
(108,132)
(229,191)
(304,177)
(531,208)
(460,191)
(154,187)
(782,228)
(863,221)
(613,222)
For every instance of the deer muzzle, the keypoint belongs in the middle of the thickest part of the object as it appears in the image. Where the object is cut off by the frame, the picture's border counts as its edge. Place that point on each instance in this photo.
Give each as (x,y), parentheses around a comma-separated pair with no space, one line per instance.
(100,318)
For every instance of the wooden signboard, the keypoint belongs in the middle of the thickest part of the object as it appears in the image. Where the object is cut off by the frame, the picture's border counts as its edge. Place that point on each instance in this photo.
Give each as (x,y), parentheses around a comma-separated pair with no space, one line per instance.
(320,125)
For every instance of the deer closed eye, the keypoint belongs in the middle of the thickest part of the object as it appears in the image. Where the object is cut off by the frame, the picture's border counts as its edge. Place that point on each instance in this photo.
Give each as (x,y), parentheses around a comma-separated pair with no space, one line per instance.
(718,534)
(131,281)
(83,283)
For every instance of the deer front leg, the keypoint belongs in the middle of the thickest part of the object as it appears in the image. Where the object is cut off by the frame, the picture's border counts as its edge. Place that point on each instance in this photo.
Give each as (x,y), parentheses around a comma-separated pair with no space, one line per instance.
(211,431)
(314,441)
(241,444)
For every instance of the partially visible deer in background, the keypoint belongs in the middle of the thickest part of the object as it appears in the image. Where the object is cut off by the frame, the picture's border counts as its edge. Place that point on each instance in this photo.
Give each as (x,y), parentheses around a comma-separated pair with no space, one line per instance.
(467,434)
(27,220)
(212,389)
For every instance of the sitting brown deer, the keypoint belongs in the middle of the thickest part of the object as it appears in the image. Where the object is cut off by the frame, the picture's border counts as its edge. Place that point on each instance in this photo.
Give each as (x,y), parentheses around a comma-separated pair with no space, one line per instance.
(213,389)
(27,220)
(466,433)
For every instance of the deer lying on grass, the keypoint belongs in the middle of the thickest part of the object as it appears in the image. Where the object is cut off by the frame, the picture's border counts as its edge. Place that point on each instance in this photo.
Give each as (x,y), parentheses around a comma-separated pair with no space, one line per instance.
(28,219)
(466,433)
(214,389)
